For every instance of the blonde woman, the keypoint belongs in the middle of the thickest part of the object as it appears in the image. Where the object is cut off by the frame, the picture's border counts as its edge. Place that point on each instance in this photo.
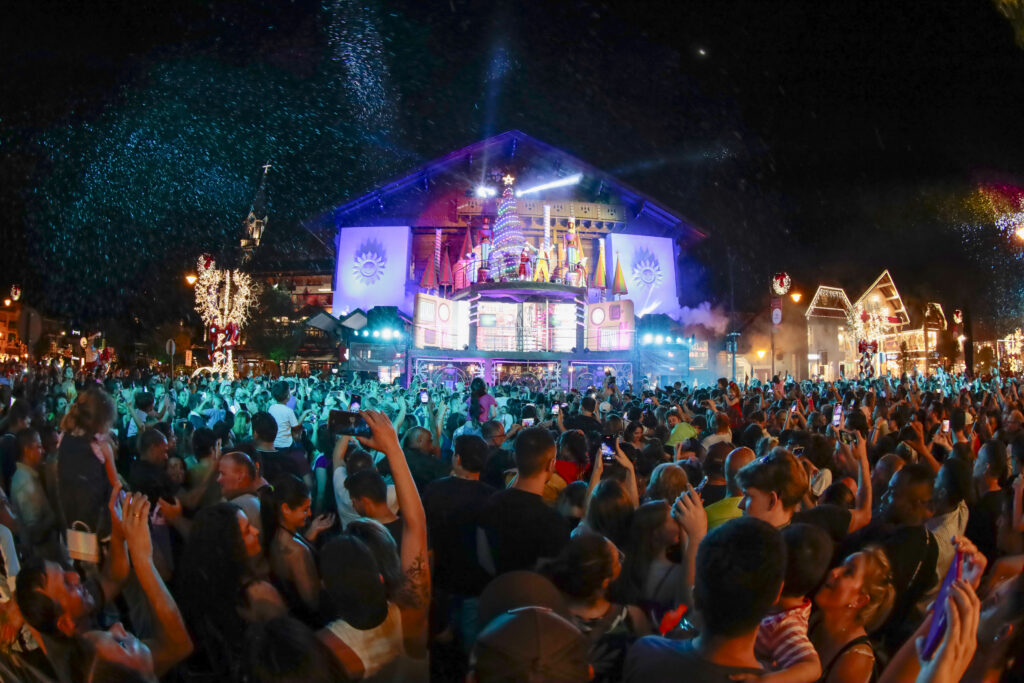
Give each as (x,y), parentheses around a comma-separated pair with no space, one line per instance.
(854,600)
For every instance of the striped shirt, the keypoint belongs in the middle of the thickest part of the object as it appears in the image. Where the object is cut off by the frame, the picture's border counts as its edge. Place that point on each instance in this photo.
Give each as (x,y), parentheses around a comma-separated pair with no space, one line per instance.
(782,638)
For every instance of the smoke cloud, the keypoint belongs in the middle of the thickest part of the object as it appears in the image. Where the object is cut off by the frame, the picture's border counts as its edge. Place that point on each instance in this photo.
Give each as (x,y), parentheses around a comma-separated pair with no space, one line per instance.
(704,314)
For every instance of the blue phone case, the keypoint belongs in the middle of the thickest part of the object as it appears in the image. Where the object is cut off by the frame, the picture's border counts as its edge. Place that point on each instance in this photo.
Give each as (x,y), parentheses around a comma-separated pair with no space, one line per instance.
(938,627)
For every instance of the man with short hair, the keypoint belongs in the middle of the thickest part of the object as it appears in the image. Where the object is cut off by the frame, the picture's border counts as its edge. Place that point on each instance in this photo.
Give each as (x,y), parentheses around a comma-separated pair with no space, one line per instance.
(586,421)
(201,475)
(729,507)
(755,430)
(773,487)
(453,504)
(289,427)
(236,475)
(273,463)
(680,430)
(516,528)
(499,459)
(739,572)
(148,474)
(58,605)
(418,446)
(18,418)
(989,469)
(346,462)
(369,494)
(714,487)
(899,527)
(39,527)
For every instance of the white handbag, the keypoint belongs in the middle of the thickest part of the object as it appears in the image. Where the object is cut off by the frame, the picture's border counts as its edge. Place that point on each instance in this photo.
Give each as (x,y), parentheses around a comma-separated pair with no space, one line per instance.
(83,544)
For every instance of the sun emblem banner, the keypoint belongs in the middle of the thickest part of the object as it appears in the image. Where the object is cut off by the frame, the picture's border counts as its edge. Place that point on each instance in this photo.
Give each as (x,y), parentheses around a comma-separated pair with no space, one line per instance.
(648,264)
(371,268)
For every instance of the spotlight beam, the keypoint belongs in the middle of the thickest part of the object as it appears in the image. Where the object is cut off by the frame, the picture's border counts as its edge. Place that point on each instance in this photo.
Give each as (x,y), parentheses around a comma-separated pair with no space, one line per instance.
(561,182)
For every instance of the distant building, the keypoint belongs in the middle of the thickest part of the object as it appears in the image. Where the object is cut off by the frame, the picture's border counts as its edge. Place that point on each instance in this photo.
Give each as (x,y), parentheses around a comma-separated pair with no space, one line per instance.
(896,341)
(11,345)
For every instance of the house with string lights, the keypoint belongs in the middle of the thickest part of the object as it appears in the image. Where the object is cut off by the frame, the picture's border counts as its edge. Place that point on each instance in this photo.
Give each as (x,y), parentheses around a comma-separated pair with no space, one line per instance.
(513,260)
(875,333)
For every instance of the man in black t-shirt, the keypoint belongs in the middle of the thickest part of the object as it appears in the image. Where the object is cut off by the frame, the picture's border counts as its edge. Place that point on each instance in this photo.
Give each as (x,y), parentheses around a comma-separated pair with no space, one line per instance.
(739,572)
(586,421)
(498,459)
(148,474)
(273,463)
(989,470)
(452,505)
(516,528)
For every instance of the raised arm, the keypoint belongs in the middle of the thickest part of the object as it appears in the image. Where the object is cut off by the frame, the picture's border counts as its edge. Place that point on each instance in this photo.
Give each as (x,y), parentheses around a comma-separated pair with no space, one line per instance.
(1018,503)
(414,533)
(688,512)
(115,570)
(861,513)
(172,643)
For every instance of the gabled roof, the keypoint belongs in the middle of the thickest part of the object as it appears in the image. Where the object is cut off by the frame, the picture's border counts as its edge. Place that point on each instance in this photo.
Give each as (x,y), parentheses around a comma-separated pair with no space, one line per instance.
(933,313)
(829,302)
(883,294)
(322,320)
(471,164)
(356,320)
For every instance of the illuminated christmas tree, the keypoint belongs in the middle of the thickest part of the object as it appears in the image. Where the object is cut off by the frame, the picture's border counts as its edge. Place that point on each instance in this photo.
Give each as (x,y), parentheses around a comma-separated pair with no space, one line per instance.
(508,242)
(224,300)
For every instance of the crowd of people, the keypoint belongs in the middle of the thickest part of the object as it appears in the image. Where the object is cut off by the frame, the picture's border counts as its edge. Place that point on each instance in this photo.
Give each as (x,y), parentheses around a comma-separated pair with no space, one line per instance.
(198,529)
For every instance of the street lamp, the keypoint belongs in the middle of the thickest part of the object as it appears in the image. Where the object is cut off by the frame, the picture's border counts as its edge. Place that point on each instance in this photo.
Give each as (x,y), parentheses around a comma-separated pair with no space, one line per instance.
(760,354)
(191,279)
(796,296)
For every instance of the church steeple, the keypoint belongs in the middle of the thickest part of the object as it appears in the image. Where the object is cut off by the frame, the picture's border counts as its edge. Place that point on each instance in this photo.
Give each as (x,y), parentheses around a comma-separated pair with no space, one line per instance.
(256,222)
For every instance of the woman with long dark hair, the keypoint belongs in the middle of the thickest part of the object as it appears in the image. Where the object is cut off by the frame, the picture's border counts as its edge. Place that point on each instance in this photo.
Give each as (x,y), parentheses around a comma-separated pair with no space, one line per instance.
(216,589)
(649,577)
(482,406)
(583,571)
(286,510)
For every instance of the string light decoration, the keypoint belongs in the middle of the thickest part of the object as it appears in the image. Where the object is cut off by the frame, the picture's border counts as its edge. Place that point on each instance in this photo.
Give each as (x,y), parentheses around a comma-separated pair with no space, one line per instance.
(1014,345)
(224,300)
(508,241)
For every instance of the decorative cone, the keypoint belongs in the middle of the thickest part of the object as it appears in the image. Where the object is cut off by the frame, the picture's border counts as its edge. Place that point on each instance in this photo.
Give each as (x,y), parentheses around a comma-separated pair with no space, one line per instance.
(446,268)
(429,279)
(467,244)
(600,274)
(619,283)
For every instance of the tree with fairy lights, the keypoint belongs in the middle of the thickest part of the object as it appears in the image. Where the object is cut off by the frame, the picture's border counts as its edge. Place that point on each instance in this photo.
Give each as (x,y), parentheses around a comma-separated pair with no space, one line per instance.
(224,299)
(508,241)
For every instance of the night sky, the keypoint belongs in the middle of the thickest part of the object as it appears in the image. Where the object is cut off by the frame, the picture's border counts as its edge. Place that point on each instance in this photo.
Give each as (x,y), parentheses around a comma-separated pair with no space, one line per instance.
(827,139)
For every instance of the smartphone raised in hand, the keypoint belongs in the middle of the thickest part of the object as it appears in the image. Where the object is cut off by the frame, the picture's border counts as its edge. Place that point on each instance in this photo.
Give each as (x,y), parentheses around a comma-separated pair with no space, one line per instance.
(608,448)
(346,423)
(837,416)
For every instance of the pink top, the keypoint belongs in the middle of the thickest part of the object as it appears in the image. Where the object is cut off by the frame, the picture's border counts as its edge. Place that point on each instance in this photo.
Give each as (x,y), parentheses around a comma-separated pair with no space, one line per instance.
(486,401)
